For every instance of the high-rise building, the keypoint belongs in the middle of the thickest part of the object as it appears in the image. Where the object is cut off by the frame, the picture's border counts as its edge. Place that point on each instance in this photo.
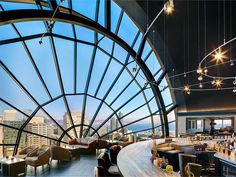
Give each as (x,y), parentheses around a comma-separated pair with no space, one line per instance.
(40,126)
(76,116)
(7,135)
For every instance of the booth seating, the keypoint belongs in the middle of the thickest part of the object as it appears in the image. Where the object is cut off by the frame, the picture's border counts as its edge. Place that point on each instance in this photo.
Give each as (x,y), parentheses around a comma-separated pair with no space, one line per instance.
(104,161)
(87,145)
(114,150)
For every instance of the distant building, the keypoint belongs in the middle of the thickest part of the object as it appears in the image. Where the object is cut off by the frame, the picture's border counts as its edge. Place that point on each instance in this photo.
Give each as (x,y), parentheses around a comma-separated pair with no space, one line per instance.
(39,126)
(8,135)
(76,116)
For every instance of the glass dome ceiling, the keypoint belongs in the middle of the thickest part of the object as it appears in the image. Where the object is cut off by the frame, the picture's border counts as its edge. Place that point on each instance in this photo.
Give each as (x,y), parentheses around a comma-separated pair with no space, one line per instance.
(74,79)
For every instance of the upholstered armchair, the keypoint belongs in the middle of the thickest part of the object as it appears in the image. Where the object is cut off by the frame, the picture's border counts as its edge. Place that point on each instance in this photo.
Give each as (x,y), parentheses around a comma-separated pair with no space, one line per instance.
(24,152)
(60,153)
(38,157)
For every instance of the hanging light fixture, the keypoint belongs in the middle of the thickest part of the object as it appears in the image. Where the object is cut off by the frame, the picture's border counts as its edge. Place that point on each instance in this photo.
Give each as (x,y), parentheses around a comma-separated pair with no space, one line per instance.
(199,70)
(169,7)
(219,56)
(218,83)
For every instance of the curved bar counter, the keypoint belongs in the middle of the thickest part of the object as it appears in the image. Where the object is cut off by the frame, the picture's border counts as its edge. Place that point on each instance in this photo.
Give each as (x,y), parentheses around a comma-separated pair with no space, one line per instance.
(134,161)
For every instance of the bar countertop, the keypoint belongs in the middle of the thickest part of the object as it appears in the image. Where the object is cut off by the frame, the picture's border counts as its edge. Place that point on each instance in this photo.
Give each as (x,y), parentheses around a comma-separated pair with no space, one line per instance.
(134,161)
(226,158)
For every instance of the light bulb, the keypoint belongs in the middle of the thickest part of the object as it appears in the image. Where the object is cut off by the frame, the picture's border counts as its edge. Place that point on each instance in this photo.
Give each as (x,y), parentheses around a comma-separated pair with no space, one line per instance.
(200,78)
(169,7)
(188,92)
(234,90)
(205,70)
(200,85)
(231,63)
(199,70)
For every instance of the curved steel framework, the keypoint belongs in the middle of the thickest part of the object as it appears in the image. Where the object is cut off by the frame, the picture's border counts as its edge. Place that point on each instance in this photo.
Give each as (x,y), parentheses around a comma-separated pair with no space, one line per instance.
(74,18)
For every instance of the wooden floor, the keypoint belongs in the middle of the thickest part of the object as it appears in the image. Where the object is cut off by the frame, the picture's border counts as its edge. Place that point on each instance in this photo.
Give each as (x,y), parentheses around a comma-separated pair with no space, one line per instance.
(81,167)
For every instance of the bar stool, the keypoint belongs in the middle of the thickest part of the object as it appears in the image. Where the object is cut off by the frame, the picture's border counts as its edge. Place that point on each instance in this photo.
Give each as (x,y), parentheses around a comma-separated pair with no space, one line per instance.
(194,169)
(184,159)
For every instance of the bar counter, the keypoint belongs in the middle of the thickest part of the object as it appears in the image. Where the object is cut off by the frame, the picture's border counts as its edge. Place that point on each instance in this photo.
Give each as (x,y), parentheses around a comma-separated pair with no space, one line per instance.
(226,165)
(134,161)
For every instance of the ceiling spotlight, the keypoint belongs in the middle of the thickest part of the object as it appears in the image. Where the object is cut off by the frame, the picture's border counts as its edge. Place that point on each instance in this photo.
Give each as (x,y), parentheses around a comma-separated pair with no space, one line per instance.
(200,85)
(185,75)
(213,82)
(62,1)
(169,7)
(200,78)
(134,69)
(219,56)
(231,63)
(199,70)
(205,70)
(234,90)
(187,89)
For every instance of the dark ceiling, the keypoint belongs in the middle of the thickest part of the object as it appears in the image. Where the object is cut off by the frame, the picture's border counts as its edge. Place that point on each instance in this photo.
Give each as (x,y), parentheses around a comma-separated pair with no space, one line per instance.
(183,34)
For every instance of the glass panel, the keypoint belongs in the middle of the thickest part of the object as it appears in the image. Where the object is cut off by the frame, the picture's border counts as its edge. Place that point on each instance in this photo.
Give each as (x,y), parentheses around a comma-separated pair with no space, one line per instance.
(84,34)
(126,95)
(115,13)
(23,70)
(172,129)
(58,112)
(101,15)
(165,93)
(6,150)
(121,83)
(171,116)
(82,6)
(120,53)
(103,114)
(156,120)
(66,63)
(28,139)
(153,105)
(30,28)
(152,63)
(106,44)
(146,50)
(42,54)
(12,117)
(142,112)
(99,66)
(104,129)
(7,32)
(16,6)
(13,94)
(137,43)
(91,107)
(110,76)
(84,57)
(127,30)
(141,125)
(133,104)
(75,102)
(64,29)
